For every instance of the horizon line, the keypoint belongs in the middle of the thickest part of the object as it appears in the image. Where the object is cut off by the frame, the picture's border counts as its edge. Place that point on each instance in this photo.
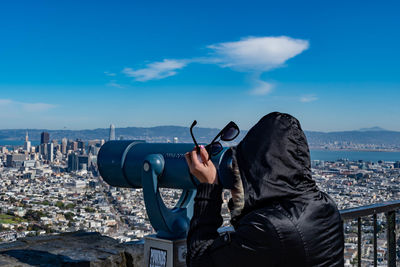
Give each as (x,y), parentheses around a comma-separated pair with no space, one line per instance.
(367,129)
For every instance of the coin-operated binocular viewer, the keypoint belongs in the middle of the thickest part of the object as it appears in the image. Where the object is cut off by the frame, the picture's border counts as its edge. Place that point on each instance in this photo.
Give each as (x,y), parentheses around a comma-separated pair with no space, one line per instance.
(137,164)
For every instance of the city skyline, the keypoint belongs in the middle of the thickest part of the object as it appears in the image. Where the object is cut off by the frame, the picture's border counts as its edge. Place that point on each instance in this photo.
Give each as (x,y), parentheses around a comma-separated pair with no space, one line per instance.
(373,128)
(83,66)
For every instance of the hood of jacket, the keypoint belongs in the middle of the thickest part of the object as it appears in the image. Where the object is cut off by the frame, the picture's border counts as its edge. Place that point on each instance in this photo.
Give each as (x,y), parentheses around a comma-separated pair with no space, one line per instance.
(274,161)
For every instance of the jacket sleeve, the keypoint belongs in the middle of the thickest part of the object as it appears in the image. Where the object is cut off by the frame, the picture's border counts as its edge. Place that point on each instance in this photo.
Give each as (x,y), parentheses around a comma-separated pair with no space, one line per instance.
(255,239)
(205,222)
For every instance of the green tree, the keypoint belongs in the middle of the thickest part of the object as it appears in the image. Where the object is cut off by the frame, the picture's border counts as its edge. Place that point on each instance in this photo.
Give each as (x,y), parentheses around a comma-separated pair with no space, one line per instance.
(69,216)
(89,209)
(70,206)
(60,204)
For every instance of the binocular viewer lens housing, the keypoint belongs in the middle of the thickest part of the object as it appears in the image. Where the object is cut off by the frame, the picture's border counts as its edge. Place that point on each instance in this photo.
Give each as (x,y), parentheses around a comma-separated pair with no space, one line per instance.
(137,164)
(120,164)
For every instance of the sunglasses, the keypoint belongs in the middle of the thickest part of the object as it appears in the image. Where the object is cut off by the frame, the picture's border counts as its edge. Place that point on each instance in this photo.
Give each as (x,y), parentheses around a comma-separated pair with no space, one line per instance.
(228,133)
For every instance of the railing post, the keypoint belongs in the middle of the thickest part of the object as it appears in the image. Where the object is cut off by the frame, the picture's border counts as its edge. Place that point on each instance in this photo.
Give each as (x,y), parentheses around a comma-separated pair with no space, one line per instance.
(391,238)
(359,242)
(375,242)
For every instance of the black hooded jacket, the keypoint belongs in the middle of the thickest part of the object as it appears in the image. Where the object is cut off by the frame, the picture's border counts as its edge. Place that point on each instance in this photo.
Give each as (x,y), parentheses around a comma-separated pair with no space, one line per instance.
(286,220)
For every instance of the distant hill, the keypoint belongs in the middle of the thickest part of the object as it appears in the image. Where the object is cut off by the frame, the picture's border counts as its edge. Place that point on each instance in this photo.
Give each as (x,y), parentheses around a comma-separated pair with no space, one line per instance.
(357,137)
(372,129)
(373,135)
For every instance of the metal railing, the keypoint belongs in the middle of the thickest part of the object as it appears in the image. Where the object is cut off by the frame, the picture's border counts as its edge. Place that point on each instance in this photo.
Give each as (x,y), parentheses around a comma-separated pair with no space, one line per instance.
(389,208)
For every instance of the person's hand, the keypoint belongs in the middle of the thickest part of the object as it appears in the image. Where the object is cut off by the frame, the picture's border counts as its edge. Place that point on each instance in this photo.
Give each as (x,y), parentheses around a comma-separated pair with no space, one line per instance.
(203,170)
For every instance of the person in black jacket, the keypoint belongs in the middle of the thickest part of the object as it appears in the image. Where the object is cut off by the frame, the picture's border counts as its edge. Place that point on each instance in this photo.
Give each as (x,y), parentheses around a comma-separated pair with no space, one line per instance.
(280,216)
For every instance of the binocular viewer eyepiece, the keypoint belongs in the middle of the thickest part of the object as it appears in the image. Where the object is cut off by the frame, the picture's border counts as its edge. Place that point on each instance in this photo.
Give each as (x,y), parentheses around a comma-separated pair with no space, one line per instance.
(137,164)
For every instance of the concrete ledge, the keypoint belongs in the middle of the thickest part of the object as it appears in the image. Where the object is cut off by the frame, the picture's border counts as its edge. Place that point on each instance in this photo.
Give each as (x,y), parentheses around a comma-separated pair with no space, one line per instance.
(71,249)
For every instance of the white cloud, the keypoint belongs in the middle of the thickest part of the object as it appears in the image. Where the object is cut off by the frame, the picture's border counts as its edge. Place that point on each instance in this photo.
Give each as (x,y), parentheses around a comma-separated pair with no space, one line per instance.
(262,88)
(9,104)
(5,101)
(156,70)
(114,83)
(308,98)
(110,73)
(253,55)
(36,107)
(258,53)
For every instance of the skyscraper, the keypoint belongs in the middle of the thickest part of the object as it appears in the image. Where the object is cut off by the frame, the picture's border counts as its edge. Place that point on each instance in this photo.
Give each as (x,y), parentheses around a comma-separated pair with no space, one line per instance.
(73,145)
(43,150)
(72,162)
(27,143)
(44,138)
(64,143)
(81,144)
(50,152)
(112,132)
(83,162)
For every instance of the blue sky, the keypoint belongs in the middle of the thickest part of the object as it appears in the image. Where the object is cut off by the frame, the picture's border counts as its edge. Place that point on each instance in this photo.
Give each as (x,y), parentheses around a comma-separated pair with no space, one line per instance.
(85,64)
